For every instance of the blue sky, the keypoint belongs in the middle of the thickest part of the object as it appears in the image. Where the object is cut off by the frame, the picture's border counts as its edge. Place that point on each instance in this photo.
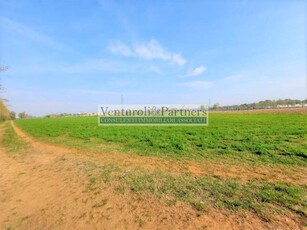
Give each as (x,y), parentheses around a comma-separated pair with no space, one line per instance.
(71,55)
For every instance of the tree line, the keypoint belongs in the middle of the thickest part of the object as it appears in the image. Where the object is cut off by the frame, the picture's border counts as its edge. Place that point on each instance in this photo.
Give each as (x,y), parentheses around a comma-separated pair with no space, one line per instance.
(267,104)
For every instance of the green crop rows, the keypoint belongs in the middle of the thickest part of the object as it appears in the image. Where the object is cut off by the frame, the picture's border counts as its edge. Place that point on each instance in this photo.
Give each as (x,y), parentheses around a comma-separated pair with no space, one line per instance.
(264,138)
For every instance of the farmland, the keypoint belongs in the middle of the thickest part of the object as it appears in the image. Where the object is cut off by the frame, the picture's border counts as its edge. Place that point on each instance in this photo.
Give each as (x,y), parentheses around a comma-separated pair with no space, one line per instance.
(247,168)
(257,138)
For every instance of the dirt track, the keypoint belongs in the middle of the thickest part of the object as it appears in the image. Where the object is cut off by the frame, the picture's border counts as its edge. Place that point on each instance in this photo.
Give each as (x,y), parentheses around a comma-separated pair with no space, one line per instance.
(42,189)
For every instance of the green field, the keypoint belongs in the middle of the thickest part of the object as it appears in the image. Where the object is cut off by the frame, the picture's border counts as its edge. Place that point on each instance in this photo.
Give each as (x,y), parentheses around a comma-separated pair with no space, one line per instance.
(274,142)
(253,138)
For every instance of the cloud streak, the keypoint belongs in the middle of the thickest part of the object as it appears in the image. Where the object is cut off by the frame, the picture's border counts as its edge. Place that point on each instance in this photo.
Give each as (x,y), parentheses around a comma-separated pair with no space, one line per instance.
(197,71)
(148,51)
(154,69)
(29,33)
(120,48)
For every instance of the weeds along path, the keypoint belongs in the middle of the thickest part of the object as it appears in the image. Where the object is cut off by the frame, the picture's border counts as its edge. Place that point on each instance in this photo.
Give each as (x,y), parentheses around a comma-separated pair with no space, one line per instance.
(41,189)
(38,145)
(244,172)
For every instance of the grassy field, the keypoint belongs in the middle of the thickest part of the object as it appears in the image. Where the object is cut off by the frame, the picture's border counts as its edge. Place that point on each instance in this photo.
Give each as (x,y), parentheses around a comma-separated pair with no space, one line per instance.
(266,199)
(276,141)
(253,138)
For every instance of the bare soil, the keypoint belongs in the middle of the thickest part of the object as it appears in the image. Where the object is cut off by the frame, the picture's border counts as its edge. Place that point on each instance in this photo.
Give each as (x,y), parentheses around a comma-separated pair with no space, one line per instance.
(40,190)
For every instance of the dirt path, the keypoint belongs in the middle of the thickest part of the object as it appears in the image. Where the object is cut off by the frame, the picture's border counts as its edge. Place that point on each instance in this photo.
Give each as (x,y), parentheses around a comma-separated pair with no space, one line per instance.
(40,190)
(297,175)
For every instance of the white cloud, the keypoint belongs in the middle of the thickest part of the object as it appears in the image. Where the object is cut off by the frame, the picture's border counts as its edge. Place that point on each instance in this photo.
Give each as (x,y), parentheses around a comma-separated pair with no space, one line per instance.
(178,59)
(197,71)
(120,48)
(197,84)
(149,51)
(154,69)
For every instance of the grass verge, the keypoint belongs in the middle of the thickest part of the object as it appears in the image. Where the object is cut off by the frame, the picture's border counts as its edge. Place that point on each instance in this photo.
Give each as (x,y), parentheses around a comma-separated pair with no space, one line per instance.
(14,144)
(265,199)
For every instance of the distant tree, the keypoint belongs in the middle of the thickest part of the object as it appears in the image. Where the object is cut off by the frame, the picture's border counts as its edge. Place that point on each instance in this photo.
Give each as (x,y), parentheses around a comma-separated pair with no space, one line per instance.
(267,104)
(23,115)
(4,112)
(12,115)
(203,108)
(52,115)
(216,106)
